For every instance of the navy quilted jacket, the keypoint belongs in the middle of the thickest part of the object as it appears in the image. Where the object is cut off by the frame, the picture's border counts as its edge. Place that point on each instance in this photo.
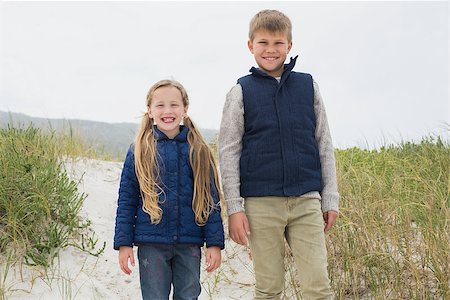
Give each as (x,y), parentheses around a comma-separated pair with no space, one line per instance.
(177,226)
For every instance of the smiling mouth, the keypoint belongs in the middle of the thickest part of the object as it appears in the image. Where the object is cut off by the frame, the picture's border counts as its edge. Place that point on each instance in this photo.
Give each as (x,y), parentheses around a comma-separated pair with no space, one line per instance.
(168,119)
(270,58)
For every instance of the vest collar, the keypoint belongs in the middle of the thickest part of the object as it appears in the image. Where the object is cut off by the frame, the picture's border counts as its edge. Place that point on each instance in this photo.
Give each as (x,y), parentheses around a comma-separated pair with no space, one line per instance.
(180,137)
(287,70)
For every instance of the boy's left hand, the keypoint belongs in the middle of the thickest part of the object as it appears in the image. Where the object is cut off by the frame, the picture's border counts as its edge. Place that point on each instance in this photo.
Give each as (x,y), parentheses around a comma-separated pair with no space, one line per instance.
(213,258)
(330,218)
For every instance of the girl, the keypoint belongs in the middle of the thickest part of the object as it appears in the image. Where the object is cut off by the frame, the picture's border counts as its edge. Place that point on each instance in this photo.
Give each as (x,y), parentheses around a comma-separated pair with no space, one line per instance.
(169,199)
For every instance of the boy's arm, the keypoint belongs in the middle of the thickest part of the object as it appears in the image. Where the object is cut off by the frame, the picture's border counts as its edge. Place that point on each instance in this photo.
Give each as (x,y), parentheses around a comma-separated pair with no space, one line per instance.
(329,194)
(230,147)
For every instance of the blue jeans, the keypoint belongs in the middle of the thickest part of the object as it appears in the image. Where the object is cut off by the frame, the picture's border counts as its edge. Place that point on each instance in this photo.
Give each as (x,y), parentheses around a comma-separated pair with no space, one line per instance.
(160,266)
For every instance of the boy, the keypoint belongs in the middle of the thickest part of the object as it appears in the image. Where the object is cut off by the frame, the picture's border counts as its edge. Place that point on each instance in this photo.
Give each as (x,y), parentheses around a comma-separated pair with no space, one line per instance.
(275,152)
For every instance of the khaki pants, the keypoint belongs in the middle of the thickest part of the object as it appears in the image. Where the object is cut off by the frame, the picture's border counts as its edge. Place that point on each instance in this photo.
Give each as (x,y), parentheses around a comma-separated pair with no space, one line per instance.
(300,221)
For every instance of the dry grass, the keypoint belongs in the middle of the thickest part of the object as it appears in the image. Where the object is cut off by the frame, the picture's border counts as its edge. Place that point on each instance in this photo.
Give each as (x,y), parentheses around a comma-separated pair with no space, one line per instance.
(392,238)
(390,242)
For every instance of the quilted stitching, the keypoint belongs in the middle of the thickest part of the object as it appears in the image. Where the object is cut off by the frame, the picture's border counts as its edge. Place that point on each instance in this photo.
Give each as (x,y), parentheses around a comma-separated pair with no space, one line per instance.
(178,225)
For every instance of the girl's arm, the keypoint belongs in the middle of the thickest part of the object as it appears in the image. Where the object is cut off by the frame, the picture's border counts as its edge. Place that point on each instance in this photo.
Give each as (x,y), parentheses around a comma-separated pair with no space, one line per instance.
(214,235)
(127,204)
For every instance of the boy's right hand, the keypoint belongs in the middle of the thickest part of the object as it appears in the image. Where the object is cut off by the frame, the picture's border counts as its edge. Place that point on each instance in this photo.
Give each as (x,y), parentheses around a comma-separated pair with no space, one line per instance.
(239,228)
(126,253)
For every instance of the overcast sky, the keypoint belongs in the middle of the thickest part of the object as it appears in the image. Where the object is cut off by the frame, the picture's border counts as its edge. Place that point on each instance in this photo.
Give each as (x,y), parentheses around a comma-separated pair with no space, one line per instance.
(382,67)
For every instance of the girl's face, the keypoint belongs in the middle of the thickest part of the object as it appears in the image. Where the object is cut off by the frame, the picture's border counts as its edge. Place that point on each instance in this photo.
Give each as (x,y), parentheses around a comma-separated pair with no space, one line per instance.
(167,110)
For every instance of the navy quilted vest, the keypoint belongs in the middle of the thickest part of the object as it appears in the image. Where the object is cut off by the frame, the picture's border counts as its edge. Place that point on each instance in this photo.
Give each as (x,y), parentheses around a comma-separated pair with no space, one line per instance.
(280,155)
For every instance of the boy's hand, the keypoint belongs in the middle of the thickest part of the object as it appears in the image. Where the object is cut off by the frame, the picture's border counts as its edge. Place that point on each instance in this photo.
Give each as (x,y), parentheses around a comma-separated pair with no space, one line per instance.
(330,218)
(239,228)
(213,258)
(126,253)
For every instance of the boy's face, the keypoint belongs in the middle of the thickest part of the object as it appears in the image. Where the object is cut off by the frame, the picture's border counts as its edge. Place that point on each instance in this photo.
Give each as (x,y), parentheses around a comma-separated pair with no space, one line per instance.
(270,50)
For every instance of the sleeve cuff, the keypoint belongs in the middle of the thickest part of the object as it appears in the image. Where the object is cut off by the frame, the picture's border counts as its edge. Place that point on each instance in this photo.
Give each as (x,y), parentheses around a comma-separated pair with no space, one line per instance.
(235,205)
(330,203)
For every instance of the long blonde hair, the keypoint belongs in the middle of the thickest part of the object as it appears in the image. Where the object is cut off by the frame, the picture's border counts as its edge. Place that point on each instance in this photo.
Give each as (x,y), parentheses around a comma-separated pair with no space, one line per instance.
(204,167)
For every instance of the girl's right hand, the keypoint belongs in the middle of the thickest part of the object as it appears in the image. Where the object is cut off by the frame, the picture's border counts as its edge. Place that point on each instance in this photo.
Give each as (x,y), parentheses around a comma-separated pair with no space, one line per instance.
(126,253)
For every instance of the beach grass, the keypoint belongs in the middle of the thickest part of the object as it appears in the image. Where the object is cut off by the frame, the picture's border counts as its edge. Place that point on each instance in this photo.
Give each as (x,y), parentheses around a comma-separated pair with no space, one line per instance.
(39,202)
(392,238)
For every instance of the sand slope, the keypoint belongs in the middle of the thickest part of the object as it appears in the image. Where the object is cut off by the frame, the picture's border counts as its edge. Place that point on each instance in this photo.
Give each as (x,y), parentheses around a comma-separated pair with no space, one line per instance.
(78,275)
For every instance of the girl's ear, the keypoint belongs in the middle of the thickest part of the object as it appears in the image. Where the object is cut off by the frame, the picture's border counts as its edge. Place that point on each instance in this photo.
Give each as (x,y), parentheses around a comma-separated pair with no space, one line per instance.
(149,112)
(185,111)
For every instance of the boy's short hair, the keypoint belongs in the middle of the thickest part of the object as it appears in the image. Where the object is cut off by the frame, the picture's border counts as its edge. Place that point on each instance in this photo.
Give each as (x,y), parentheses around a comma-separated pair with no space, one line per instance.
(272,21)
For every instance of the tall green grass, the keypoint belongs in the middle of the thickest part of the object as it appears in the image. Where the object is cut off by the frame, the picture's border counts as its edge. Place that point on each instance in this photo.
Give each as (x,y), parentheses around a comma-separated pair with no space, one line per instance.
(392,237)
(39,203)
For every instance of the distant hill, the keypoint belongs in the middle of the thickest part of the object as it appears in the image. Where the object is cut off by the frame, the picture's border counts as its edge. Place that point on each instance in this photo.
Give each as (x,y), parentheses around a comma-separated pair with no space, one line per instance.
(114,138)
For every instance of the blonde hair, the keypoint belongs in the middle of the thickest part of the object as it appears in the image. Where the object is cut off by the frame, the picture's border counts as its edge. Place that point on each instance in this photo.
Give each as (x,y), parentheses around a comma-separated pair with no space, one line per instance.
(204,167)
(272,21)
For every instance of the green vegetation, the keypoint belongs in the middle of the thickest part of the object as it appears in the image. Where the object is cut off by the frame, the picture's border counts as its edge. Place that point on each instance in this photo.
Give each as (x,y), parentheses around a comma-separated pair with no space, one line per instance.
(39,203)
(392,238)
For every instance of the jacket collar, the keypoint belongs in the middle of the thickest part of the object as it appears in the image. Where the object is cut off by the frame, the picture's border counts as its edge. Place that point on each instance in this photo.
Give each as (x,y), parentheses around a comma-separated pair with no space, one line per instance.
(180,137)
(287,69)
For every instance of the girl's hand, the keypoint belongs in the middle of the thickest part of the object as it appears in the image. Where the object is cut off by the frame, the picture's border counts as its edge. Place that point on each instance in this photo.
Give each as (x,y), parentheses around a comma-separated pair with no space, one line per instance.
(213,258)
(126,253)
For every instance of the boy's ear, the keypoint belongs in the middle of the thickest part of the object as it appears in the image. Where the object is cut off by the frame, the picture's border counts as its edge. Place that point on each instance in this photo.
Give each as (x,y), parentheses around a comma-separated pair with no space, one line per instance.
(250,46)
(289,46)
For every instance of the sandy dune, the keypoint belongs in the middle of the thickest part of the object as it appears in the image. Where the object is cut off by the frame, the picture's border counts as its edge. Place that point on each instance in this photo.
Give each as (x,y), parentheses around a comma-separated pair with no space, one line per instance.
(77,275)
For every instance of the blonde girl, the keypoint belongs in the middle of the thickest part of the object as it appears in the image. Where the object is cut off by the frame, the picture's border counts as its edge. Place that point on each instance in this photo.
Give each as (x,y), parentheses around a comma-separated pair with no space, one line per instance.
(169,199)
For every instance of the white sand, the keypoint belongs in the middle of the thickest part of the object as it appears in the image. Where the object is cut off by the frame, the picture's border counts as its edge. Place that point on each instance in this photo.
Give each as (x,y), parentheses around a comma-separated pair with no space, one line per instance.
(78,275)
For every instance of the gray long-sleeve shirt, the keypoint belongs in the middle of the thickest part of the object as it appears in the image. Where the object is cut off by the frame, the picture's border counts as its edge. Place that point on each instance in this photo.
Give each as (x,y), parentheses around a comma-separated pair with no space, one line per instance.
(230,147)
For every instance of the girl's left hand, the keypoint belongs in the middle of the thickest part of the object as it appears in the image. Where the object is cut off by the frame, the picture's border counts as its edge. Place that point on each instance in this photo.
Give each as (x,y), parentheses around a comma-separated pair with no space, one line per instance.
(213,258)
